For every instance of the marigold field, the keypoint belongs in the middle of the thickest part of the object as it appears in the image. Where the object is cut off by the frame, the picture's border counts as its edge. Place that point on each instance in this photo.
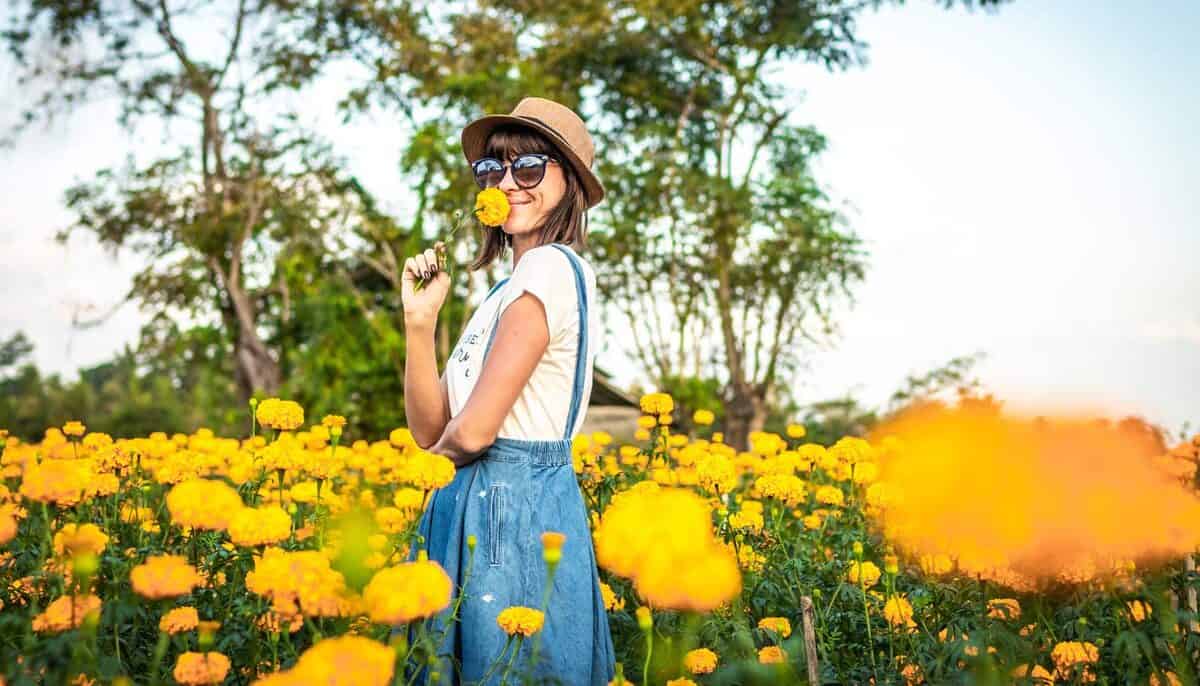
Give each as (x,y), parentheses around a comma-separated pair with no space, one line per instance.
(954,545)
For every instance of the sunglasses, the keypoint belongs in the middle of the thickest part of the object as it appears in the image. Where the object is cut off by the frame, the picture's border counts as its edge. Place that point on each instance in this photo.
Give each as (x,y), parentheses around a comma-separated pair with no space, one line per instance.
(528,170)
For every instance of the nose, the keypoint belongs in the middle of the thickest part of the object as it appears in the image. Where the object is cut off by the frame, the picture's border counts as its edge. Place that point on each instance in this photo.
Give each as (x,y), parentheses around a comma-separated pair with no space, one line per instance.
(507,184)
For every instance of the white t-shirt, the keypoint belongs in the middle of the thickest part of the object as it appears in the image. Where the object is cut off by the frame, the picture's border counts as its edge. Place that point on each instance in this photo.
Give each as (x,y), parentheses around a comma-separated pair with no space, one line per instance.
(541,411)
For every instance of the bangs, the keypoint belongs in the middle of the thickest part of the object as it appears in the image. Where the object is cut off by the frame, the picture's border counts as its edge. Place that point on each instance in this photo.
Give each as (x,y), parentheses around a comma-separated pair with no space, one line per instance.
(508,141)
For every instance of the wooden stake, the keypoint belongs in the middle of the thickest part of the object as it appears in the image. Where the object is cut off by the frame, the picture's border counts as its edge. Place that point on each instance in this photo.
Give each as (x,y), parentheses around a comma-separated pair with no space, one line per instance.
(1189,564)
(808,619)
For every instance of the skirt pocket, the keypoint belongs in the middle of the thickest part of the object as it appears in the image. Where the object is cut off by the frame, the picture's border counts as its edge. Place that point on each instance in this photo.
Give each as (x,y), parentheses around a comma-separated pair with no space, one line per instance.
(496,516)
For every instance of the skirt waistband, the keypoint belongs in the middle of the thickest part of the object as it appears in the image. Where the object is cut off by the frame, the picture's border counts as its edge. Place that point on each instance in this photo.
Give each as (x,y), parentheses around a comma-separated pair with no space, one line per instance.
(542,453)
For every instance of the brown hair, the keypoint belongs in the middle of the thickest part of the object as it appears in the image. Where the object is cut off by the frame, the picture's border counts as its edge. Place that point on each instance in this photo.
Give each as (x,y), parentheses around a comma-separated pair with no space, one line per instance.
(566,223)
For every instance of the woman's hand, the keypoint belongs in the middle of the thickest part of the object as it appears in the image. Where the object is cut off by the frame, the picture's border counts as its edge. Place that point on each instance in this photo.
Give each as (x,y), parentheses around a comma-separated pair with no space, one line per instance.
(421,306)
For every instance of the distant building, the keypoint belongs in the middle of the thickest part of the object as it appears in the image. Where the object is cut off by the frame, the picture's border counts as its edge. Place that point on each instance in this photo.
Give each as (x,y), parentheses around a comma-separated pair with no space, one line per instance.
(611,409)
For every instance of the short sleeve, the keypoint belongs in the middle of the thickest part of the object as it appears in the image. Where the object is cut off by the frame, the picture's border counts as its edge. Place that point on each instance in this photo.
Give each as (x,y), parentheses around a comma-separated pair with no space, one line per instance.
(546,272)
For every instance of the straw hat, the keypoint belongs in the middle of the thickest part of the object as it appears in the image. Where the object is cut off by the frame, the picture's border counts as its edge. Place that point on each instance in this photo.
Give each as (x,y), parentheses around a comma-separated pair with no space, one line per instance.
(558,122)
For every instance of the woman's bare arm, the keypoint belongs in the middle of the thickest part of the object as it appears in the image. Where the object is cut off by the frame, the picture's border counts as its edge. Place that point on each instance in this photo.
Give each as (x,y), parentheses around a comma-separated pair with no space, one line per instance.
(426,400)
(522,336)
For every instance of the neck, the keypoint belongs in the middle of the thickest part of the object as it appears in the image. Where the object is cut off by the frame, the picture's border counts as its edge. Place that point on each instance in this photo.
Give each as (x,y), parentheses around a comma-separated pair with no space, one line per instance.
(521,244)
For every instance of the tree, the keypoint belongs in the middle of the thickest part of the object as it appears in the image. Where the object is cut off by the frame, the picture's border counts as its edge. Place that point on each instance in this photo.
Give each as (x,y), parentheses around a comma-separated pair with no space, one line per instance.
(212,217)
(720,248)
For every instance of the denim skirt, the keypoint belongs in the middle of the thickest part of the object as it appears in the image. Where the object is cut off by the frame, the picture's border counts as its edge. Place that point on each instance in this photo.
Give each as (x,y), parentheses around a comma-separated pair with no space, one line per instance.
(519,489)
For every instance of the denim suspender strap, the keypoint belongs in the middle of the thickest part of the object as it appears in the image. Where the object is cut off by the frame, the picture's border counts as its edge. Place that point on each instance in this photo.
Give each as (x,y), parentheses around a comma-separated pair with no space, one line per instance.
(581,347)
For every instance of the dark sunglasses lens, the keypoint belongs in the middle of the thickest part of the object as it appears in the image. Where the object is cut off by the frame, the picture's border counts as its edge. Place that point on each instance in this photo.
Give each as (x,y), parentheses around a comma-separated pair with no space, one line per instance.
(528,171)
(488,172)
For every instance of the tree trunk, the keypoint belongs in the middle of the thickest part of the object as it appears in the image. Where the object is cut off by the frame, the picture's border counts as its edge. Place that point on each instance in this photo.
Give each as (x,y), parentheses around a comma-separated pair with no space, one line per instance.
(745,411)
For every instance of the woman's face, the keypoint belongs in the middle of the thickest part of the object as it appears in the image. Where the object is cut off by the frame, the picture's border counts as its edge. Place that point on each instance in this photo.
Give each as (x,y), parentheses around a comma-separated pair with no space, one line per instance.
(529,206)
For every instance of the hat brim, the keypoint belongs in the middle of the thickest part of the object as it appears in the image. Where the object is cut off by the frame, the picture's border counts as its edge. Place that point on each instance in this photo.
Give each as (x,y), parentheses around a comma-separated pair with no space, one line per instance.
(474,141)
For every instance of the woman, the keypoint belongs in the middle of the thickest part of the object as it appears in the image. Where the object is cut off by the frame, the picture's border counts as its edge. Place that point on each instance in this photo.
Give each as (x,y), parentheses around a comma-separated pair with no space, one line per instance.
(513,394)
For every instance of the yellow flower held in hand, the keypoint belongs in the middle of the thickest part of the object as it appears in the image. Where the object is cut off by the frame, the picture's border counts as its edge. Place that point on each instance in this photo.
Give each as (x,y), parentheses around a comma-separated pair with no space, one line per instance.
(520,620)
(491,207)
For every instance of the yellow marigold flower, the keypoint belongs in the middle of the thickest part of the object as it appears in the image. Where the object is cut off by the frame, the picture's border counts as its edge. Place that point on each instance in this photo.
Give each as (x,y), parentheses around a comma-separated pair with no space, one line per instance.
(611,602)
(8,528)
(899,612)
(410,591)
(274,622)
(1138,610)
(491,207)
(716,473)
(747,519)
(74,428)
(520,620)
(428,471)
(67,613)
(333,421)
(57,482)
(1004,608)
(772,655)
(1038,675)
(865,472)
(1169,679)
(79,539)
(201,669)
(703,417)
(408,499)
(645,618)
(284,415)
(891,564)
(164,576)
(343,661)
(1067,654)
(812,521)
(647,422)
(657,403)
(796,431)
(852,450)
(830,495)
(179,620)
(253,526)
(779,625)
(786,488)
(700,661)
(864,574)
(203,504)
(681,681)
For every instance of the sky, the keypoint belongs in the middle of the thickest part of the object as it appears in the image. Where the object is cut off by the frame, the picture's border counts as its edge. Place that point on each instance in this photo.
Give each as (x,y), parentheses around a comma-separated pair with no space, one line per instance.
(1020,180)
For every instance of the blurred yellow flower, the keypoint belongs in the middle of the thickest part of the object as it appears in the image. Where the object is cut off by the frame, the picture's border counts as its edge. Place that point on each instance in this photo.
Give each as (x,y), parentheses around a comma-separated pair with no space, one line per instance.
(66,613)
(164,576)
(772,655)
(74,428)
(413,590)
(78,539)
(703,417)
